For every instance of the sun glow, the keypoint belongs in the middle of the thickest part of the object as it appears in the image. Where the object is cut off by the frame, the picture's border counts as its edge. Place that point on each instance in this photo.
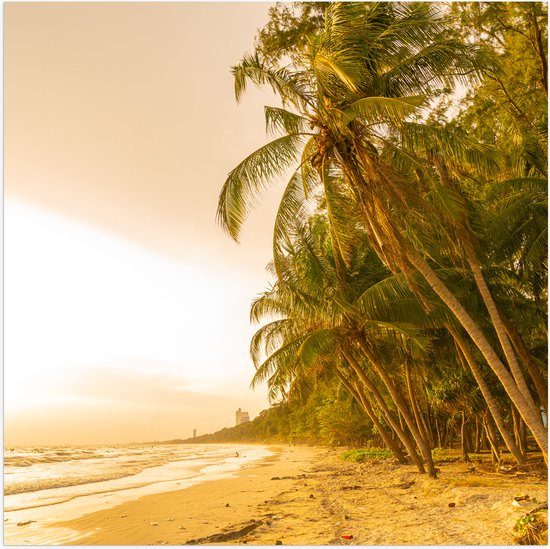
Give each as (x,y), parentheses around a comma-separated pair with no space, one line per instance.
(91,317)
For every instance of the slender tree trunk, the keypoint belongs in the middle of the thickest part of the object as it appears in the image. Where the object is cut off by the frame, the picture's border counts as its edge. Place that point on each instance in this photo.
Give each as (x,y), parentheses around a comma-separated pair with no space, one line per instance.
(483,442)
(487,395)
(538,45)
(426,419)
(534,371)
(438,431)
(493,441)
(499,327)
(532,419)
(518,434)
(478,442)
(403,436)
(425,451)
(418,414)
(364,403)
(464,443)
(522,401)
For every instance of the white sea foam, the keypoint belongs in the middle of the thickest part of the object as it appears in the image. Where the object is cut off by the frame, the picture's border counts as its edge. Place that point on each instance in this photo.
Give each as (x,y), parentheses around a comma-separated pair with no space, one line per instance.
(47,485)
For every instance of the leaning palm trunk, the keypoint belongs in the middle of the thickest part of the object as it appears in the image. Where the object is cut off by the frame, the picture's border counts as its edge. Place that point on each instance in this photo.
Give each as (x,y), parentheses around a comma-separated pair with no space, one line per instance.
(417,412)
(530,416)
(388,237)
(365,404)
(499,326)
(541,386)
(395,425)
(395,393)
(487,395)
(493,441)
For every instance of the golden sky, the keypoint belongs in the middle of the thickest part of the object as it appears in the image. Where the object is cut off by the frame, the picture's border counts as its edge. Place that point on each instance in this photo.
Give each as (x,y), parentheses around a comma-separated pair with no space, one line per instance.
(126,307)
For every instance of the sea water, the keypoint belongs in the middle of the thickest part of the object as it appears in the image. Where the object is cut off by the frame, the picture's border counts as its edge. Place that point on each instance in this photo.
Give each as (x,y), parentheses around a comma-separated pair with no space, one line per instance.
(52,484)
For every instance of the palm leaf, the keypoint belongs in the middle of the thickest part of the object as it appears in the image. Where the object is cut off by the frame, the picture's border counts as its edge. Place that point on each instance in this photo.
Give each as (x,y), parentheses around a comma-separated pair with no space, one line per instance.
(377,110)
(251,176)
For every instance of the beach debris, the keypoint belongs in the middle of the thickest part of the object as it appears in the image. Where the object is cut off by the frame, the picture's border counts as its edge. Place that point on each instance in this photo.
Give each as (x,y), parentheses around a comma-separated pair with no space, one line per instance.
(182,527)
(227,504)
(296,477)
(347,536)
(351,487)
(532,528)
(521,497)
(311,496)
(452,504)
(347,517)
(278,542)
(122,516)
(153,524)
(25,522)
(516,503)
(170,519)
(227,535)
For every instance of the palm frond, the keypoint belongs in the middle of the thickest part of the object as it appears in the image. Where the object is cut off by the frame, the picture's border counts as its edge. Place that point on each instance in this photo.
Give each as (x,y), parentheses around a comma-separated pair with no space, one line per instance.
(251,176)
(318,344)
(279,120)
(286,85)
(378,110)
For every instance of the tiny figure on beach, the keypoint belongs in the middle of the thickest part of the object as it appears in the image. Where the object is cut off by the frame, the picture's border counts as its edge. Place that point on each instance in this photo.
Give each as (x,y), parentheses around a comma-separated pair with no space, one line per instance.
(236,454)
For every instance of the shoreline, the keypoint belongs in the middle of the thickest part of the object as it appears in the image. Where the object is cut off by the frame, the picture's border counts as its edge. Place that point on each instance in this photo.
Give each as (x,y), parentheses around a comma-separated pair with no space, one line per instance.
(199,511)
(30,518)
(308,496)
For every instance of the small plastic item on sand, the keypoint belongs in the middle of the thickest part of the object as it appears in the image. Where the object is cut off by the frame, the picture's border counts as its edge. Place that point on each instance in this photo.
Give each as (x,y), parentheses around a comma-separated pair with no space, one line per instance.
(349,536)
(153,524)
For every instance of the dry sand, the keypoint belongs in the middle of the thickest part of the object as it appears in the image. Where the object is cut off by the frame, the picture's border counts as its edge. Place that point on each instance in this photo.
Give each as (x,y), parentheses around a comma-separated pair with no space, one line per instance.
(378,503)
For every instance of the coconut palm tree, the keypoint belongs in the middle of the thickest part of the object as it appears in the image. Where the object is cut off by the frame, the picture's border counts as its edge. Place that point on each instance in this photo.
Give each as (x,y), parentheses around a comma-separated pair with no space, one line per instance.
(373,67)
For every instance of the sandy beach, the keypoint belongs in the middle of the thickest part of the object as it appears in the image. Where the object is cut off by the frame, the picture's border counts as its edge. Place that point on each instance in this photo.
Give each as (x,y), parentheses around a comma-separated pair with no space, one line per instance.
(308,496)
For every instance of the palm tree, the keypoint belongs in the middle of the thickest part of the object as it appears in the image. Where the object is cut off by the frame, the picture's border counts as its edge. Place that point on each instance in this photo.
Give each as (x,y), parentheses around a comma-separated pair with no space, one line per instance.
(374,65)
(321,320)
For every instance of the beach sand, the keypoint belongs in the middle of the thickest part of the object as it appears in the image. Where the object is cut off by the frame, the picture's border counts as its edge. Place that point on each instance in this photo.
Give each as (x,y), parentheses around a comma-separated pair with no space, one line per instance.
(378,503)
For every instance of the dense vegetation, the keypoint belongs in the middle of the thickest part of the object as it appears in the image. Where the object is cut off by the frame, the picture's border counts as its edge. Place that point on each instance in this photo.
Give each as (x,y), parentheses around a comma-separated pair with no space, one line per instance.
(410,245)
(328,415)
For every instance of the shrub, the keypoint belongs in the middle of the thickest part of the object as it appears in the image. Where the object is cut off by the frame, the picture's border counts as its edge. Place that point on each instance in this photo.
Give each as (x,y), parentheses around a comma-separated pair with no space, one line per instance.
(358,456)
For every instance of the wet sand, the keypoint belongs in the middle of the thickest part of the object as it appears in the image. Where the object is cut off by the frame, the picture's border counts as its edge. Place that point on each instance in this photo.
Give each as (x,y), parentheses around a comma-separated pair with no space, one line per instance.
(321,500)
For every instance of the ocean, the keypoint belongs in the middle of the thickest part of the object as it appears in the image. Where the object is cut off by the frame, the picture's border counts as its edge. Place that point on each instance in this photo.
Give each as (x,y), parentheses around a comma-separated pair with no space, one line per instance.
(50,484)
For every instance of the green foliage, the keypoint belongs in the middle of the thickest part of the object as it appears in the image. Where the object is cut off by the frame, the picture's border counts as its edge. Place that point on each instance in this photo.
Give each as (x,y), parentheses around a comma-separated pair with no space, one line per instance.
(402,222)
(326,416)
(359,456)
(532,528)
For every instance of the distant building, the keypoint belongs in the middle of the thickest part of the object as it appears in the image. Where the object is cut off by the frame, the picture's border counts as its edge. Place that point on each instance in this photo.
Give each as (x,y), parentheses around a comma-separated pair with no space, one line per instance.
(194,433)
(241,417)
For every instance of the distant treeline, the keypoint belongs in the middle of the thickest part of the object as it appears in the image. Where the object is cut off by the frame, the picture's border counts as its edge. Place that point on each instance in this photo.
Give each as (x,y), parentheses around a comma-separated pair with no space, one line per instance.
(326,416)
